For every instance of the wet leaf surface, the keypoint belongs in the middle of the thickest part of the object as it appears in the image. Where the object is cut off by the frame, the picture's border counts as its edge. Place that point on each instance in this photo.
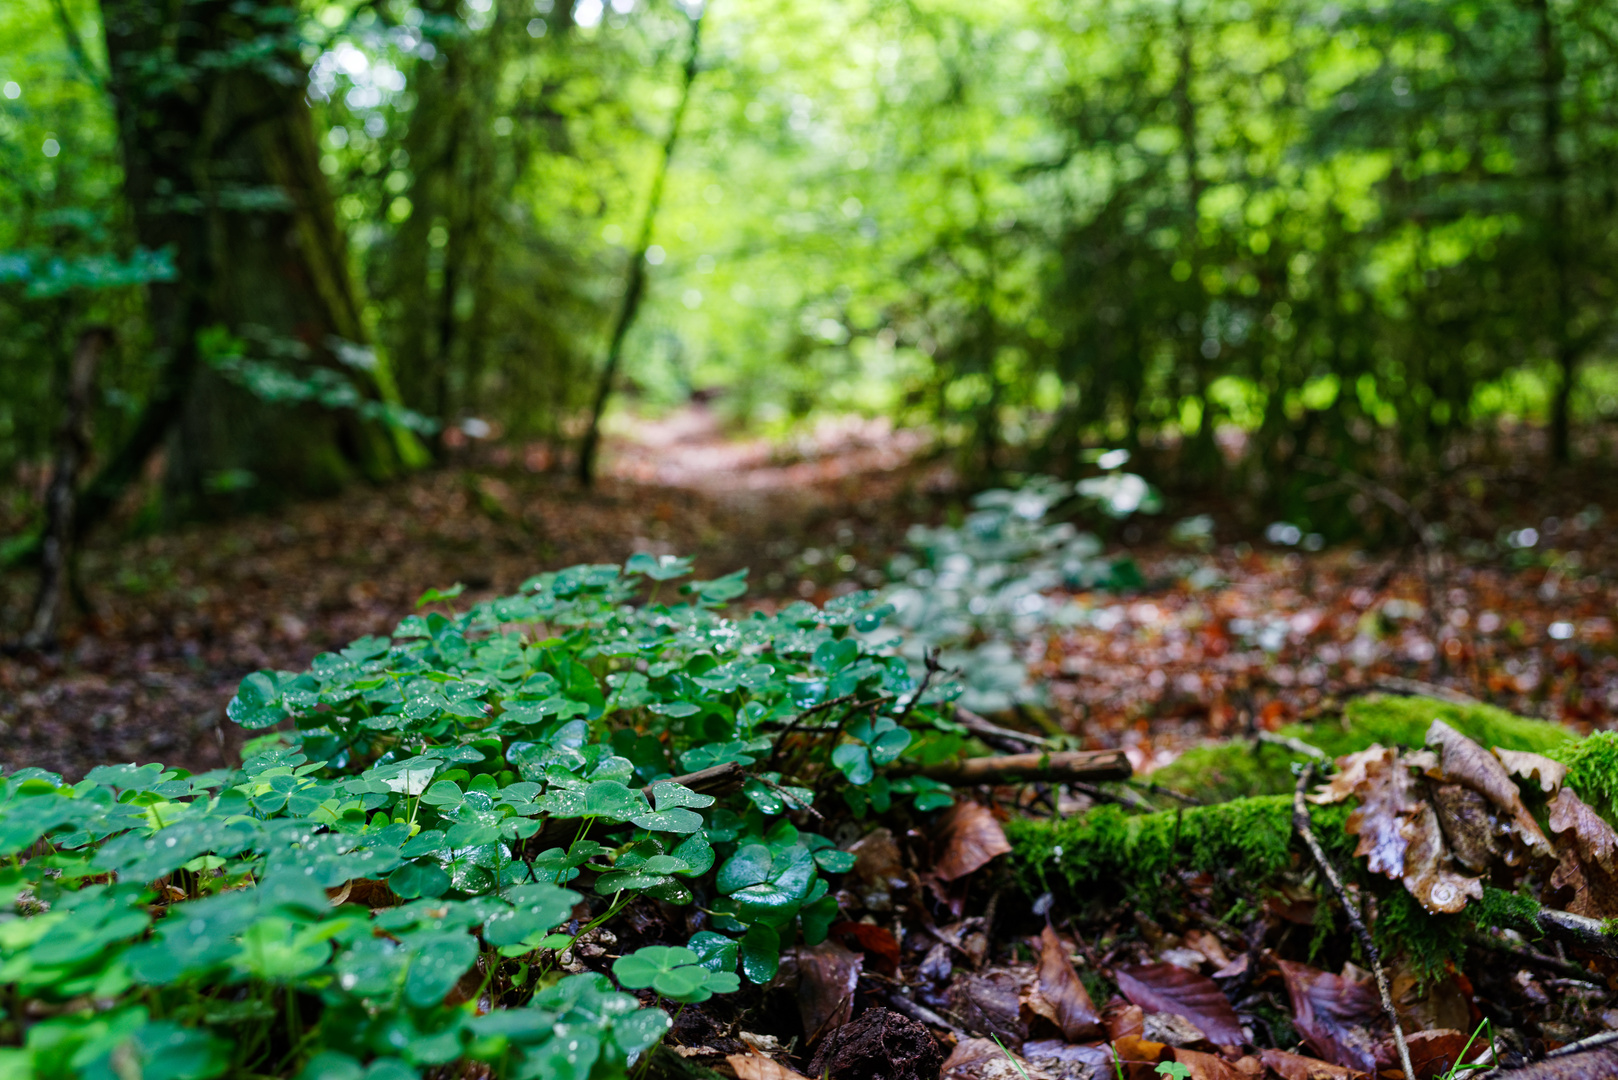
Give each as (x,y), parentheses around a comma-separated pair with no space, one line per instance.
(1197,998)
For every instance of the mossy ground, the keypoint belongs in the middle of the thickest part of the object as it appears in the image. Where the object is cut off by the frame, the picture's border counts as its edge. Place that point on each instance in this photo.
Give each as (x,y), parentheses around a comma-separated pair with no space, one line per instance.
(1246,840)
(1240,769)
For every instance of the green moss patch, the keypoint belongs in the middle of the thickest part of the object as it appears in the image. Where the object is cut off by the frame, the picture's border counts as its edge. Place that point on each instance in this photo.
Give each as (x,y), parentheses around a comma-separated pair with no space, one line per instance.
(1240,769)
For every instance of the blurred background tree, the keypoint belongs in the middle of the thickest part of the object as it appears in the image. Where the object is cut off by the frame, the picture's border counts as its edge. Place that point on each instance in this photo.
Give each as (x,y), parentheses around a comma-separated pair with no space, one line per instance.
(1252,241)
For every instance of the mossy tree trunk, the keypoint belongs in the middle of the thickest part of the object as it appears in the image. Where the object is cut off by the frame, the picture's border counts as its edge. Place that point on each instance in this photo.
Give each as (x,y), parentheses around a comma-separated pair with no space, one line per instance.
(221,167)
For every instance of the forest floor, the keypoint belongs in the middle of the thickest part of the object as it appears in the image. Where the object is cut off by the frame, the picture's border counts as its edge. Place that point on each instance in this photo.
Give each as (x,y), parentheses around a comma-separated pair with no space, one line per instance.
(1220,640)
(1217,640)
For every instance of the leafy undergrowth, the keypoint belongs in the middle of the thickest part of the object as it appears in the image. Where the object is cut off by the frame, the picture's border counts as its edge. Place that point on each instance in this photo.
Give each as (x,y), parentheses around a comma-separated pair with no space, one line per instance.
(541,836)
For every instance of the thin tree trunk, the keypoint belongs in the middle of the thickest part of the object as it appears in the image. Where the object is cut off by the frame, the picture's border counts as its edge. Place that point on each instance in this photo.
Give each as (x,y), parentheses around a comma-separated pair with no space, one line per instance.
(1566,351)
(72,448)
(635,285)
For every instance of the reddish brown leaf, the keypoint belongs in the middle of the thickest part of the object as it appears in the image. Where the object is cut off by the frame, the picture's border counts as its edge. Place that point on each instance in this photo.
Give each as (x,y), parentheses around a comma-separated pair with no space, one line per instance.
(1434,1053)
(1206,1066)
(876,942)
(1208,945)
(983,1059)
(1197,998)
(877,860)
(1123,1019)
(1297,1067)
(1059,996)
(970,838)
(1334,1015)
(827,977)
(1587,852)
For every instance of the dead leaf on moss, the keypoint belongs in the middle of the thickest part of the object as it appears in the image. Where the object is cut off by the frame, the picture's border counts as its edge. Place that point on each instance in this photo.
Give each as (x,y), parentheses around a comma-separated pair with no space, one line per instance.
(756,1066)
(1464,815)
(1352,770)
(1533,767)
(1587,852)
(1334,1015)
(1429,875)
(1387,794)
(970,838)
(1465,762)
(1298,1067)
(1167,988)
(1058,995)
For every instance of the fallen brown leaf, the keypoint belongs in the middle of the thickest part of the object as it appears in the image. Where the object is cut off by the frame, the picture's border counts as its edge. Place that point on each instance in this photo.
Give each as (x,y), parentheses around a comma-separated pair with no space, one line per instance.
(1464,815)
(970,838)
(1058,995)
(1434,1053)
(983,1059)
(1206,1066)
(1533,767)
(876,942)
(1334,1015)
(1465,762)
(1387,795)
(1208,945)
(1123,1019)
(1297,1067)
(1352,772)
(1428,873)
(1197,998)
(1587,853)
(756,1066)
(827,977)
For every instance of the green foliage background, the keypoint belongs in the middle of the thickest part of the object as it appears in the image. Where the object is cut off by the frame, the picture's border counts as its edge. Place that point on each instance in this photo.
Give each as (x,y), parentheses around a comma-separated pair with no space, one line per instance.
(1367,232)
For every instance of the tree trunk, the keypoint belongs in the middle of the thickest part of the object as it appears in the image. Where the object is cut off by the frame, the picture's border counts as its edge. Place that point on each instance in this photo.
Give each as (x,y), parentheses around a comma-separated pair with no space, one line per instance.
(221,166)
(635,285)
(72,448)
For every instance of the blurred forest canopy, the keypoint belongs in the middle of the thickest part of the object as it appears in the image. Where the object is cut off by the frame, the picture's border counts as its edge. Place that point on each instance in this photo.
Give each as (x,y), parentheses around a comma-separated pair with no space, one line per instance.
(1377,235)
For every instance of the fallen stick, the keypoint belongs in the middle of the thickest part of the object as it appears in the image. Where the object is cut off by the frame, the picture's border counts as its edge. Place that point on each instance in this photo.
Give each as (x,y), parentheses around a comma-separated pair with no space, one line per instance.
(1052,767)
(1300,822)
(989,730)
(1580,930)
(1297,746)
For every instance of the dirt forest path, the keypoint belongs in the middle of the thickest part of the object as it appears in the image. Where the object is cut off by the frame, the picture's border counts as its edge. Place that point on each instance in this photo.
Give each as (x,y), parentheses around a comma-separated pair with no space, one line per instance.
(1216,643)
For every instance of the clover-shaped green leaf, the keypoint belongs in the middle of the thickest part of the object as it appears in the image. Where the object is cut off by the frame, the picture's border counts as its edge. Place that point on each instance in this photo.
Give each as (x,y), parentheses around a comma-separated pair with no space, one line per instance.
(610,799)
(674,972)
(855,762)
(668,795)
(678,820)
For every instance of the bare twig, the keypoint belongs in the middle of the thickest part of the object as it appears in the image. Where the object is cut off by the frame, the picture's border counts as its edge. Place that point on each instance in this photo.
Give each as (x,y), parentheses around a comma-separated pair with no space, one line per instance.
(1297,746)
(929,659)
(917,1011)
(788,796)
(1580,930)
(1393,684)
(993,733)
(1167,793)
(1300,822)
